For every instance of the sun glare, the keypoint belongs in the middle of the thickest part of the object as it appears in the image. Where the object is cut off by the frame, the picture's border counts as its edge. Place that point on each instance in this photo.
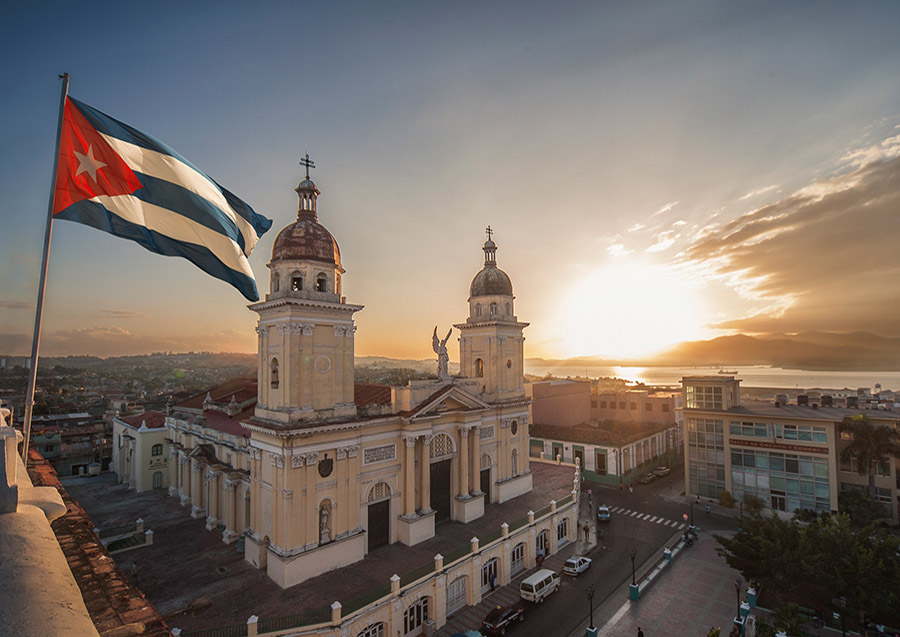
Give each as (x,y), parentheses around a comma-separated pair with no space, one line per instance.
(629,310)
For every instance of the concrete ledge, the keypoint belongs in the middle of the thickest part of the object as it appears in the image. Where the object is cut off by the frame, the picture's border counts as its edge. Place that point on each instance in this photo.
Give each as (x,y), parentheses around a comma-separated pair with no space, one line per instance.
(38,595)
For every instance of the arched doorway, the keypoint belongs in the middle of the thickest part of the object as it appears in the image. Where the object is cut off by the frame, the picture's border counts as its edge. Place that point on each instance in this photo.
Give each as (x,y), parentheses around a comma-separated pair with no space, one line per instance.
(517,564)
(490,574)
(486,476)
(379,514)
(456,595)
(441,453)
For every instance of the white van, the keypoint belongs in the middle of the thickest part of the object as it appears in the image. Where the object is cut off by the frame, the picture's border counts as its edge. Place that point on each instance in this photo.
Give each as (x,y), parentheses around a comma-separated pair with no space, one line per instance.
(536,587)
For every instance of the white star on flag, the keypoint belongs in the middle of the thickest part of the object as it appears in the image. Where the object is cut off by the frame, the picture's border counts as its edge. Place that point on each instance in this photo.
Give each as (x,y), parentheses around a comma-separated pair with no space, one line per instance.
(88,163)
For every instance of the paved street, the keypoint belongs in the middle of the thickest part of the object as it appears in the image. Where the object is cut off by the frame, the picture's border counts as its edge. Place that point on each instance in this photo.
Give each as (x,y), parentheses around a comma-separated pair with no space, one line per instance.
(647,520)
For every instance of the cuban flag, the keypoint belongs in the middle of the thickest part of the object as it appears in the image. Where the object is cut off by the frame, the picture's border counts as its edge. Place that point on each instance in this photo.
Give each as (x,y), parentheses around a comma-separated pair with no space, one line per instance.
(119,180)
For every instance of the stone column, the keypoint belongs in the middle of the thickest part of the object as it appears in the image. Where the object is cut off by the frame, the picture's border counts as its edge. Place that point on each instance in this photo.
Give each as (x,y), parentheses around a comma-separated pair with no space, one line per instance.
(464,461)
(184,480)
(212,500)
(230,534)
(475,459)
(197,509)
(425,466)
(173,471)
(409,486)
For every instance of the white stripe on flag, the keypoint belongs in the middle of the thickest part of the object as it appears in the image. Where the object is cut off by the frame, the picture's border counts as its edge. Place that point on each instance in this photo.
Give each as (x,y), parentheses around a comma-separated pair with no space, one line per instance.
(178,228)
(171,169)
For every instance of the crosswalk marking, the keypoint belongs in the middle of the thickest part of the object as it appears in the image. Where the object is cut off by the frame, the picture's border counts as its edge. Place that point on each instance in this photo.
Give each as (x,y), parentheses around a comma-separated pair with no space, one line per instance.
(647,517)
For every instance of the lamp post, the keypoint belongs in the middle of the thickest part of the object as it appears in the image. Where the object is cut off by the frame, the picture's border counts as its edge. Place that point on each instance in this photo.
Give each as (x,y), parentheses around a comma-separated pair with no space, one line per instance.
(843,621)
(737,590)
(590,594)
(633,554)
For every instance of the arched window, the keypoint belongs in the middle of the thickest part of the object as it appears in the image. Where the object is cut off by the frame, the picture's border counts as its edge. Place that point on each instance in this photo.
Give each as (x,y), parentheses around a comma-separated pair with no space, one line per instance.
(441,445)
(493,309)
(276,282)
(296,282)
(380,491)
(514,462)
(479,367)
(507,309)
(274,373)
(156,450)
(415,615)
(373,630)
(478,310)
(321,282)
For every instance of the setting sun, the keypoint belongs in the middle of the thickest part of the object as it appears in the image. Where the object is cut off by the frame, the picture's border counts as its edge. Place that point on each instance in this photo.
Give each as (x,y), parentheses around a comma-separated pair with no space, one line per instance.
(628,310)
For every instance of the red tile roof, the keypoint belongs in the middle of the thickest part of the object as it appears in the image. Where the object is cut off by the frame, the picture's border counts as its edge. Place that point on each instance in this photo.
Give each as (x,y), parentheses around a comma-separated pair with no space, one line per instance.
(371,394)
(153,420)
(242,389)
(220,421)
(113,603)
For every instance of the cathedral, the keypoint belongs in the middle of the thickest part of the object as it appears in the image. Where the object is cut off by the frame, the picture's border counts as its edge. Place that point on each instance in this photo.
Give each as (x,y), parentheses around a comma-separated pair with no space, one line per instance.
(315,470)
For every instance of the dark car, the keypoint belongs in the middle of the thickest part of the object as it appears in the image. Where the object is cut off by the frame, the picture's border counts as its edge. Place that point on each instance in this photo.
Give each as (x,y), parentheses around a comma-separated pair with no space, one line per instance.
(498,621)
(648,478)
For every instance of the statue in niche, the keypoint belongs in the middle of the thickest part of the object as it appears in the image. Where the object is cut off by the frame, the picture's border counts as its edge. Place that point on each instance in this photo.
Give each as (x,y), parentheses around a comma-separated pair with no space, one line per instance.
(440,348)
(324,531)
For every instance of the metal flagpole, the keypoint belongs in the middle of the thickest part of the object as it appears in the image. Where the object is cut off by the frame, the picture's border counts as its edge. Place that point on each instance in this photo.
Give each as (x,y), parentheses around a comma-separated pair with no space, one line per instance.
(39,308)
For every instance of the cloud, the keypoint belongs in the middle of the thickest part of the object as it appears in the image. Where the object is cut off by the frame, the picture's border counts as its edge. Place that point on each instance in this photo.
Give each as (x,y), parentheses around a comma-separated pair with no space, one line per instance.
(887,149)
(821,258)
(665,208)
(121,314)
(636,227)
(16,305)
(761,191)
(663,241)
(618,250)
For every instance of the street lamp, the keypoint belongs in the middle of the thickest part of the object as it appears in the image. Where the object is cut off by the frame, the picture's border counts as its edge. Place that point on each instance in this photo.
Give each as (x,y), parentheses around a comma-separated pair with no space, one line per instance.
(737,590)
(590,594)
(633,553)
(843,621)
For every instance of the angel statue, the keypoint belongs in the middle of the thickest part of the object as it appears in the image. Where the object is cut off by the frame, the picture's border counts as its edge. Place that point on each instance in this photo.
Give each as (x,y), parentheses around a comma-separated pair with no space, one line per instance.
(440,348)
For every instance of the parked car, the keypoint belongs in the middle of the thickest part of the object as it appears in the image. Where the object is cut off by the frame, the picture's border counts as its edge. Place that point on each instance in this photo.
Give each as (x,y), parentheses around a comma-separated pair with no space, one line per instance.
(647,478)
(662,472)
(537,586)
(576,564)
(498,621)
(603,513)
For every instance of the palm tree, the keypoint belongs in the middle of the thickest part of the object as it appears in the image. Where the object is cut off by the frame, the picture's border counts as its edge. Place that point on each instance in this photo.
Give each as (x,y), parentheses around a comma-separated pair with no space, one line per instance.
(871,445)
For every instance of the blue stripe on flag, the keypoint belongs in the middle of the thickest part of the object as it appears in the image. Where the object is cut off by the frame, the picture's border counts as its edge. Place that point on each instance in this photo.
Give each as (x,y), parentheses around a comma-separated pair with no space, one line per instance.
(188,204)
(120,130)
(94,214)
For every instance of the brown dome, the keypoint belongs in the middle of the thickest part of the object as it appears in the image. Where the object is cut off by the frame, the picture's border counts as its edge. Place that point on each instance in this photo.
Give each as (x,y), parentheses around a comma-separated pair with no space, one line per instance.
(306,239)
(491,281)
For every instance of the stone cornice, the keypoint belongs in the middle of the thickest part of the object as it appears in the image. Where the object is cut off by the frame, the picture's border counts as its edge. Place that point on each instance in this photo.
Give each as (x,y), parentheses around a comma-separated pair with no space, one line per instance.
(291,301)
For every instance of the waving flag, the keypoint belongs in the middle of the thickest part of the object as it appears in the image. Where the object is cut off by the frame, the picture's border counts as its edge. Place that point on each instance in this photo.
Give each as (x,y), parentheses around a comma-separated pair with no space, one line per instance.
(119,180)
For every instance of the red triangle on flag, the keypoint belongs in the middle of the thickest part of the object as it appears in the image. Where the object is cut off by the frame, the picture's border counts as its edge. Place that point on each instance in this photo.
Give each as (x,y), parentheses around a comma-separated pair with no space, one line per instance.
(87,165)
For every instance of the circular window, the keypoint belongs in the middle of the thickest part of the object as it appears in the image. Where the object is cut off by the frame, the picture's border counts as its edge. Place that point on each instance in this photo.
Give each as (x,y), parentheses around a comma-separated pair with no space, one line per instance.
(509,364)
(323,364)
(514,427)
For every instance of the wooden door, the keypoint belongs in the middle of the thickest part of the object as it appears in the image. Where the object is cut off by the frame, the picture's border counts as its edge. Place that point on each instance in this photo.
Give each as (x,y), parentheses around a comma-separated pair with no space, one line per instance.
(440,489)
(379,523)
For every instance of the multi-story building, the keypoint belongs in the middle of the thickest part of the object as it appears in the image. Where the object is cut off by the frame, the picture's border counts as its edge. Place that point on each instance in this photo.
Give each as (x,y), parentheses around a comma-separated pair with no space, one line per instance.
(563,403)
(637,405)
(139,454)
(788,455)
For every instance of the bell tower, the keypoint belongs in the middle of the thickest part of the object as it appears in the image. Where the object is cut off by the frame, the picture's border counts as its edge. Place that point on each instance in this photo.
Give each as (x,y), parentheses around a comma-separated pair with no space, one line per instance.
(306,331)
(491,343)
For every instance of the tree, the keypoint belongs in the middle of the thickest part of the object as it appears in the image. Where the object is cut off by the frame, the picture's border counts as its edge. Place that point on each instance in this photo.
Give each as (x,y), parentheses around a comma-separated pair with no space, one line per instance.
(871,445)
(766,549)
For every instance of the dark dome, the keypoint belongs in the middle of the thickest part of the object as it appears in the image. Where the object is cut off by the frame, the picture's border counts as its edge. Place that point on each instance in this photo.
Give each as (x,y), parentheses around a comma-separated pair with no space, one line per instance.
(306,238)
(491,281)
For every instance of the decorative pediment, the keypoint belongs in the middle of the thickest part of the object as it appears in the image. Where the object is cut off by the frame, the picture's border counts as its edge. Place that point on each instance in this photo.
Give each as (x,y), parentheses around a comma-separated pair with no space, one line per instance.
(448,399)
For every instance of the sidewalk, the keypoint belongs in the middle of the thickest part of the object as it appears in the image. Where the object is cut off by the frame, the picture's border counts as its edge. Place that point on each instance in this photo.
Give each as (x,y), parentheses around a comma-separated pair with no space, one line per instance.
(694,593)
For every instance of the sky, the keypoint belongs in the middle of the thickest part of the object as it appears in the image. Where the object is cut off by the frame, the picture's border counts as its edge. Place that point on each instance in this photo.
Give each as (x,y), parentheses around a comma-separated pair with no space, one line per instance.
(654,172)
